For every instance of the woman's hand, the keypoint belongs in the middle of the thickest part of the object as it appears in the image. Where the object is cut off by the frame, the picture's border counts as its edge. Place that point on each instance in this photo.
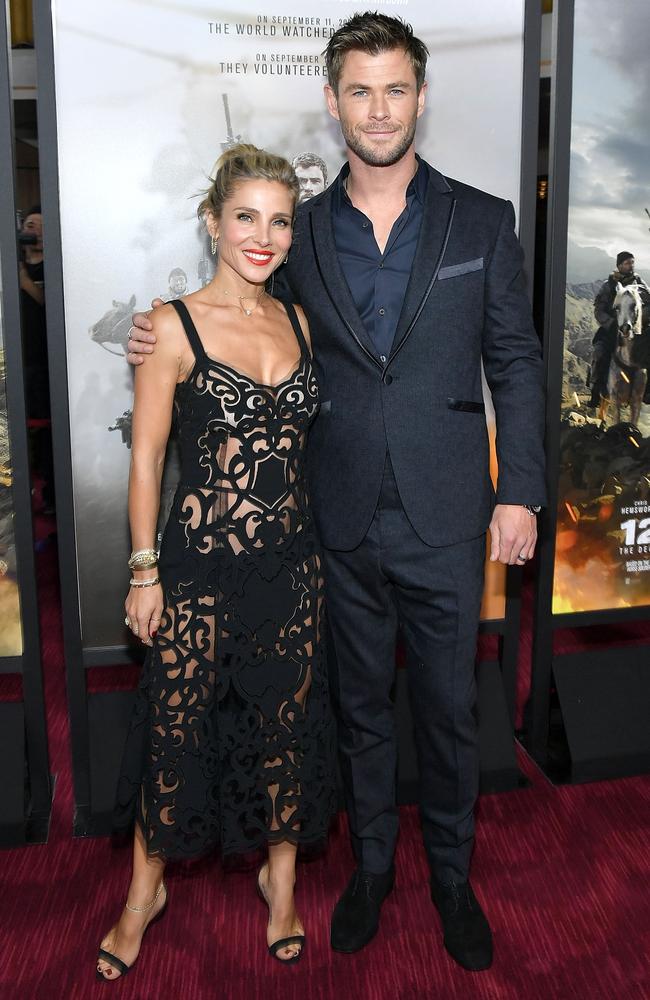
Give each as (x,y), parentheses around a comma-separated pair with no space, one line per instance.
(144,607)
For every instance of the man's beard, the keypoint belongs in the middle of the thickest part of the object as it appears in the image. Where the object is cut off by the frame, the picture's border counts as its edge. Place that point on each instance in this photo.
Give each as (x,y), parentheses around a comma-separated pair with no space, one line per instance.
(376,156)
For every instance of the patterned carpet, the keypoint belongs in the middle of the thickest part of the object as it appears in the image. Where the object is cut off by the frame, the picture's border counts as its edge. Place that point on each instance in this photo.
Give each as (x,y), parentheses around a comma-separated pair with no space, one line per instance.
(562,873)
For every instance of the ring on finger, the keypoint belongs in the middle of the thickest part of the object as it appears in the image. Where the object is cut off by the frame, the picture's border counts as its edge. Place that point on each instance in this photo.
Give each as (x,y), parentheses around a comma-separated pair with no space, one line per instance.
(131,332)
(127,622)
(522,558)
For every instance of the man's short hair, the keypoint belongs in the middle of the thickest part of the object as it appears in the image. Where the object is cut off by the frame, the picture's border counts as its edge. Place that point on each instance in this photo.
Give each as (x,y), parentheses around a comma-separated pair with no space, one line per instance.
(374,33)
(623,256)
(310,160)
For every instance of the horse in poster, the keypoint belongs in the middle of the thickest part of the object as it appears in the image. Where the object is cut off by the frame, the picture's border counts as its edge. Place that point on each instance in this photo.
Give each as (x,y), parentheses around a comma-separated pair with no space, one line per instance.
(628,369)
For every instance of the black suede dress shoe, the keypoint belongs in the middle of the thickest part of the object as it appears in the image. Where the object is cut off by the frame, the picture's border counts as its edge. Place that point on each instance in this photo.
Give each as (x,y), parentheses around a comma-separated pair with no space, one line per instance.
(467,934)
(355,920)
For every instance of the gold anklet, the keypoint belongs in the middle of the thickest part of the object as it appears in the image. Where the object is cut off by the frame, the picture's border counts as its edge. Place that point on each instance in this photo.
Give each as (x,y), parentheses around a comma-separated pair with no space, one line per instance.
(142,909)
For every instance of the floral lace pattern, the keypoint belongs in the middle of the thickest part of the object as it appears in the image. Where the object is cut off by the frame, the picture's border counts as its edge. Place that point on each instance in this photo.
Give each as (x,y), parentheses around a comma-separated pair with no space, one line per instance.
(230,741)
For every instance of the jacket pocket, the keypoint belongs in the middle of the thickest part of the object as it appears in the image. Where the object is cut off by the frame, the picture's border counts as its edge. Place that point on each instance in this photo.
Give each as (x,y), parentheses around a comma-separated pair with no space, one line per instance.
(466,405)
(455,269)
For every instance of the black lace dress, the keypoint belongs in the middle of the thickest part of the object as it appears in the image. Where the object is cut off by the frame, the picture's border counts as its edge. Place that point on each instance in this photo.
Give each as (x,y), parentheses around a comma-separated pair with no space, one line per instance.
(230,742)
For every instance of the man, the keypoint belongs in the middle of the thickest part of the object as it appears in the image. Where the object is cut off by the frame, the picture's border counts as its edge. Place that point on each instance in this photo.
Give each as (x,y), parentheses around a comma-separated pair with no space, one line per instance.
(34,330)
(604,341)
(32,306)
(177,282)
(311,171)
(409,279)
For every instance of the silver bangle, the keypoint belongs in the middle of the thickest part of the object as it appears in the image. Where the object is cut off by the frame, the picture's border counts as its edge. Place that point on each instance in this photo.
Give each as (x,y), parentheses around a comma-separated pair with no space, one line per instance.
(138,584)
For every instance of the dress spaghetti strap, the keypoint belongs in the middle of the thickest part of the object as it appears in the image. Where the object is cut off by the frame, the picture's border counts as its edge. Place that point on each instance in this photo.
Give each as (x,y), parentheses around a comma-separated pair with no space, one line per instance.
(191,332)
(297,329)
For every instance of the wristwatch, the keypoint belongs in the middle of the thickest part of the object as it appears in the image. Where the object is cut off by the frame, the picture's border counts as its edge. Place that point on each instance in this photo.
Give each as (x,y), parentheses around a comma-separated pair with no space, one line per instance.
(532,508)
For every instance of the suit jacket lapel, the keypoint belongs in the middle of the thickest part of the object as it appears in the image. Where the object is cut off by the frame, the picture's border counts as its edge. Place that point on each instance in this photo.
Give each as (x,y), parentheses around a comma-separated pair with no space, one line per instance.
(437,219)
(332,273)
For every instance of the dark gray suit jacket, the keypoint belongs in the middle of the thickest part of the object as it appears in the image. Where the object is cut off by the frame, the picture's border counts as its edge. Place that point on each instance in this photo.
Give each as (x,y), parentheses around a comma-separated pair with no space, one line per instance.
(465,302)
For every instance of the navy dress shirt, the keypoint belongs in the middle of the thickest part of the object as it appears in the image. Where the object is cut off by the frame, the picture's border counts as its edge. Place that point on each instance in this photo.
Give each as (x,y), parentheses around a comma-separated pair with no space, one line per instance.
(378,281)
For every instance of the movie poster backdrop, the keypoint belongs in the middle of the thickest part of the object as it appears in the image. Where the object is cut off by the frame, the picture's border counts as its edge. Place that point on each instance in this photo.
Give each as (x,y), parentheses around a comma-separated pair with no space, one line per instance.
(147,99)
(11,635)
(602,557)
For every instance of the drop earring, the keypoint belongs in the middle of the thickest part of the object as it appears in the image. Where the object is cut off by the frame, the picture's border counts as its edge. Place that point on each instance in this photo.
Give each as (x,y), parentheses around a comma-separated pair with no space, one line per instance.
(214,242)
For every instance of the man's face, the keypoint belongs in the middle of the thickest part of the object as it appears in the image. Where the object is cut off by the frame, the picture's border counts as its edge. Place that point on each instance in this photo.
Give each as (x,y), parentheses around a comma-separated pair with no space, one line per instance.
(311,182)
(377,105)
(626,266)
(178,283)
(33,225)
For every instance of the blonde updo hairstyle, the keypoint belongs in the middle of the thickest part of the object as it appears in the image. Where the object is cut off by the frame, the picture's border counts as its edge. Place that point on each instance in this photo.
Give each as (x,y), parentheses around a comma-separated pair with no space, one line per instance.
(241,163)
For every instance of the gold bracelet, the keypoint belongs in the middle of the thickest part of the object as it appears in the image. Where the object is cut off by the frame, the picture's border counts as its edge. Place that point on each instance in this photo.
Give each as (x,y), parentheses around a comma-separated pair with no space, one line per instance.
(143,559)
(144,583)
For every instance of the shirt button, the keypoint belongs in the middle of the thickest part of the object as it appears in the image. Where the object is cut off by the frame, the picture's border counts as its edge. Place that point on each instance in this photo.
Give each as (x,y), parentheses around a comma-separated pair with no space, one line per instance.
(382,358)
(380,266)
(388,379)
(364,225)
(381,312)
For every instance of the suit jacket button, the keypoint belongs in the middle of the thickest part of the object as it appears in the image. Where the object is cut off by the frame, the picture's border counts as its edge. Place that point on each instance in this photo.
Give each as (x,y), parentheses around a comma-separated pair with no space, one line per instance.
(388,379)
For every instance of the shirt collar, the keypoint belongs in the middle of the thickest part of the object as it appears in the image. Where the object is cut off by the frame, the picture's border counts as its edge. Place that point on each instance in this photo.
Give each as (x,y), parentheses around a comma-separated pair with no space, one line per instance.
(417,186)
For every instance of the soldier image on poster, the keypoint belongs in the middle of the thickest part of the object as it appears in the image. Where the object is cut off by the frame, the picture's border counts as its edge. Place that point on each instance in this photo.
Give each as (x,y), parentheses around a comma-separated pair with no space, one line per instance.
(177,284)
(311,171)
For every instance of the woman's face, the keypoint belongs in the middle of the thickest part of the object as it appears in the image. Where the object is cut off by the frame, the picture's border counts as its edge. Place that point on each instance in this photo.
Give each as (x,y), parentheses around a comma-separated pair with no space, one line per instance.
(254,229)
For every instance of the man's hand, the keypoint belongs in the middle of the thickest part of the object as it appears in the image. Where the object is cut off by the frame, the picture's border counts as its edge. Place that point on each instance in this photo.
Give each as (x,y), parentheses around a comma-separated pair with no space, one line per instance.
(141,340)
(29,286)
(514,534)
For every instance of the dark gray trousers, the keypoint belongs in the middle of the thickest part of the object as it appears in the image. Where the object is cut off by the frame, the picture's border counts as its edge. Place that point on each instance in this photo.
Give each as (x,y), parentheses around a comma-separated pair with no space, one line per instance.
(434,594)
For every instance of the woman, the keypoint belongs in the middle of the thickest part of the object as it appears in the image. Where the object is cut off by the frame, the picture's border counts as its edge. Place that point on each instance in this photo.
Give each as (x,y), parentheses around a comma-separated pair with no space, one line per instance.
(230,738)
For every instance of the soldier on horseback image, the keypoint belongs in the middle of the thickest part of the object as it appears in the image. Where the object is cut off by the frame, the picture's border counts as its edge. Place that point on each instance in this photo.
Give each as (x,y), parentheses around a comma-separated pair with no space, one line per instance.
(605,339)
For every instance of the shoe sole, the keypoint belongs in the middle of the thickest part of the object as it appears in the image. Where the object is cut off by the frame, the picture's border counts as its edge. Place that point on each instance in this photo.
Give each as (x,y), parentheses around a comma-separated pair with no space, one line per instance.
(467,966)
(353,951)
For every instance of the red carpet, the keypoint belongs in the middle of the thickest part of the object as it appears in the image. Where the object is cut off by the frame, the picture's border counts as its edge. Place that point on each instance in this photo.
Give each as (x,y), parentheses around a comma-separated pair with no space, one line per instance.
(562,873)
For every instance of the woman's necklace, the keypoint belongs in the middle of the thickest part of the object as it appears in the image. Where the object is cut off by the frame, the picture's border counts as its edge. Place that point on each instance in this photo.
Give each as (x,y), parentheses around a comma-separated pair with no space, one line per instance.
(242,298)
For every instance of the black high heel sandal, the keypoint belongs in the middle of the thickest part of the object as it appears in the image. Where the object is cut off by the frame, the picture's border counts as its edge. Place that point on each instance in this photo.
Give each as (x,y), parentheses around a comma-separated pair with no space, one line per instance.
(281,942)
(116,962)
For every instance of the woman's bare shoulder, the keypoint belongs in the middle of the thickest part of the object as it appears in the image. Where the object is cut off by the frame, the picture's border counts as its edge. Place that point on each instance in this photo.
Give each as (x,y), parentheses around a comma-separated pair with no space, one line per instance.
(165,319)
(167,328)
